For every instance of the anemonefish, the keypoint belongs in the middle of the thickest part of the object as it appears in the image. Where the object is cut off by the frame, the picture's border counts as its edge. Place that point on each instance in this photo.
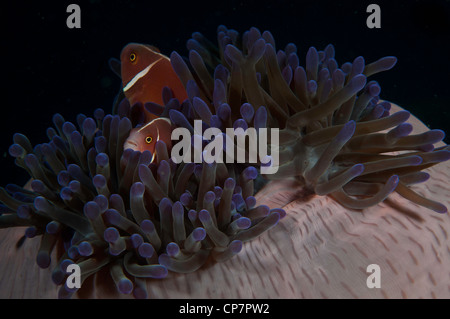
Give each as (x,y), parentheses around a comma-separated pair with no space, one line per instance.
(145,72)
(144,138)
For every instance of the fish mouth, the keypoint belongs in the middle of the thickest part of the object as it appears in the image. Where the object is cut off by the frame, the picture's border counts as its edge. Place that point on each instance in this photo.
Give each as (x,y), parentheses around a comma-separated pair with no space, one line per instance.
(130,145)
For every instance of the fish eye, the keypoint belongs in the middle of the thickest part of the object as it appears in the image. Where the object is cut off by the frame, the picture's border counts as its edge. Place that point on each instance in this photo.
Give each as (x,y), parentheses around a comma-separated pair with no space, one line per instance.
(133,57)
(148,139)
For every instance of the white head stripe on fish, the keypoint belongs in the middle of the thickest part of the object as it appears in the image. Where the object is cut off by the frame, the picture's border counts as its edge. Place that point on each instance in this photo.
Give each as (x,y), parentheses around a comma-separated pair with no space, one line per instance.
(157,53)
(140,75)
(151,122)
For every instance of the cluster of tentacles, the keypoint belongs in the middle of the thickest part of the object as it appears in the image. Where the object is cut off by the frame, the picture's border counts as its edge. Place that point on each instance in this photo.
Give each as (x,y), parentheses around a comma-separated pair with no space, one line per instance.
(103,207)
(113,208)
(336,136)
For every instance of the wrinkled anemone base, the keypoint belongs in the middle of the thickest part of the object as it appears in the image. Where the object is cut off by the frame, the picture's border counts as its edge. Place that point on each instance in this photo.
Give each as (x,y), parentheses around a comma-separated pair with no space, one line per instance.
(320,249)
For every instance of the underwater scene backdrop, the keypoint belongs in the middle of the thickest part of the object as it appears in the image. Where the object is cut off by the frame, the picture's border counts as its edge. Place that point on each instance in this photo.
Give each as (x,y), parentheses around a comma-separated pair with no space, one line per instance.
(53,69)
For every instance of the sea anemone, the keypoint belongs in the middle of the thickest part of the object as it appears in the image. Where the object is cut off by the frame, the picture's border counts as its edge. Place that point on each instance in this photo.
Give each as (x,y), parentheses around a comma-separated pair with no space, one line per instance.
(113,208)
(106,208)
(337,137)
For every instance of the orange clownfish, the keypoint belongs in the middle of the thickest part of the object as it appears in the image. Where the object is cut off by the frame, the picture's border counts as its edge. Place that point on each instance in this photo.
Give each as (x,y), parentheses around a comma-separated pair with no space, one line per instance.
(144,138)
(145,72)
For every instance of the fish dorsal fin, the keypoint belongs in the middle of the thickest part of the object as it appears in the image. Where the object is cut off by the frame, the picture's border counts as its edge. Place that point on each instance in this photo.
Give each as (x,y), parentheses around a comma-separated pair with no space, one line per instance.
(153,48)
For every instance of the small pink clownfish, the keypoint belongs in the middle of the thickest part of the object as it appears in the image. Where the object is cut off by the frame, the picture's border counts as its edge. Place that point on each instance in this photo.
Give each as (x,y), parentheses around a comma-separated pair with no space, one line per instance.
(144,138)
(145,72)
